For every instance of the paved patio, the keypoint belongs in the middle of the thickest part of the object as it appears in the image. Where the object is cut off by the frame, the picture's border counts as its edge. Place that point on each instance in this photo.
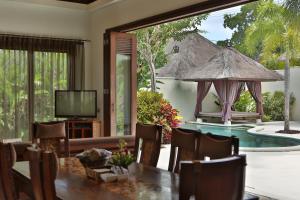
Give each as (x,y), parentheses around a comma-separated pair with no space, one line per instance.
(272,174)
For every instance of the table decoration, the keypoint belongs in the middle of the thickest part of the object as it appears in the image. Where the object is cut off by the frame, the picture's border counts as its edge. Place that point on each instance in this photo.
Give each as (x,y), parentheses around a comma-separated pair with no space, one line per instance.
(94,158)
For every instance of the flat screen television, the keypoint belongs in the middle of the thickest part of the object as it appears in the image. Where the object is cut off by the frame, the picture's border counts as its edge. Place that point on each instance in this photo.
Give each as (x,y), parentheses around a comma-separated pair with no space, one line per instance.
(76,103)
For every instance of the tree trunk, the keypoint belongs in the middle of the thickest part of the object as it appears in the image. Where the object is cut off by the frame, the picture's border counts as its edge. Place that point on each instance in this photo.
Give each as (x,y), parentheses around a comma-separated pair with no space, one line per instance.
(153,77)
(287,93)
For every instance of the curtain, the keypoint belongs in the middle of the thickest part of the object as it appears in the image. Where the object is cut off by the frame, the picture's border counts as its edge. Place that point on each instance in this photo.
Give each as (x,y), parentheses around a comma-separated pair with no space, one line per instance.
(31,69)
(50,74)
(254,88)
(13,94)
(239,92)
(202,90)
(227,91)
(76,67)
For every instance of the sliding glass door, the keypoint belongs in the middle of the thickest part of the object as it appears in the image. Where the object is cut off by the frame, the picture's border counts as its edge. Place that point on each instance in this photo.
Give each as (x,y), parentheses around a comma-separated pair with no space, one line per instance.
(120,85)
(31,69)
(49,74)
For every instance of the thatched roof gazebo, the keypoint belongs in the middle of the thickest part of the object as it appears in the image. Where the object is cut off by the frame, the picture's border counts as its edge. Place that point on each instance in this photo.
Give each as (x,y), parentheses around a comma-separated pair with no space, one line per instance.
(226,68)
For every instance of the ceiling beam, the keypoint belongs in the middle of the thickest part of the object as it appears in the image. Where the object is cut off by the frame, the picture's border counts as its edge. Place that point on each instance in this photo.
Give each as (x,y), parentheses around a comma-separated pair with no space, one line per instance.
(188,11)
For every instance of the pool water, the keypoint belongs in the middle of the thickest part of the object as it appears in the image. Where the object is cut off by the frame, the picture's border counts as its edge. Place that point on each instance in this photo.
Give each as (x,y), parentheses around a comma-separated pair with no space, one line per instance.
(246,139)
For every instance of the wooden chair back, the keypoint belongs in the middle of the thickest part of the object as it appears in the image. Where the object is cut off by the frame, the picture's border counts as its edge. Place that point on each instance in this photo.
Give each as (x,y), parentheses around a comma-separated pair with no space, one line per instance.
(49,135)
(150,136)
(220,179)
(7,160)
(216,146)
(43,170)
(183,147)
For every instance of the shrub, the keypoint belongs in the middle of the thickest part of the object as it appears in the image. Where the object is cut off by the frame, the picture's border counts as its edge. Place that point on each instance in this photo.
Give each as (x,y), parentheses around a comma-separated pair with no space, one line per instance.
(245,103)
(273,105)
(152,108)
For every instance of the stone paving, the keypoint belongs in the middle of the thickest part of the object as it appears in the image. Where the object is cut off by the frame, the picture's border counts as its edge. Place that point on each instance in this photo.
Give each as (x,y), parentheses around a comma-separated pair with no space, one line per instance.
(273,175)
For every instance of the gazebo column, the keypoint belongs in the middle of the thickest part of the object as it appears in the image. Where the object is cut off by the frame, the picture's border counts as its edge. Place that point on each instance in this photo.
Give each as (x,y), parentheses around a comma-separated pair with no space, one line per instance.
(202,90)
(254,88)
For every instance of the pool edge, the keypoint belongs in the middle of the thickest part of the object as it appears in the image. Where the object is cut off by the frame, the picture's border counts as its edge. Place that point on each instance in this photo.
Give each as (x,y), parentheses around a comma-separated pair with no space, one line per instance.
(253,129)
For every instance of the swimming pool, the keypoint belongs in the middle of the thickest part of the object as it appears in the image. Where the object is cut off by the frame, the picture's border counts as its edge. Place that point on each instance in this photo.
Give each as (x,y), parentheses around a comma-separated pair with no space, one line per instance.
(246,139)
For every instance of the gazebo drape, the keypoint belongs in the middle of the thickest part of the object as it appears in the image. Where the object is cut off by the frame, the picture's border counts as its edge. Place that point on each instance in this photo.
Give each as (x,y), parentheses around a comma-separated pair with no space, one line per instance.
(202,90)
(227,91)
(254,88)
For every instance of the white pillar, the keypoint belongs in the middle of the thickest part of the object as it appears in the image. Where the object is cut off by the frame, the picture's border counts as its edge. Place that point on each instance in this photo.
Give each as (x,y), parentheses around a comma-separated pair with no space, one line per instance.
(199,120)
(227,123)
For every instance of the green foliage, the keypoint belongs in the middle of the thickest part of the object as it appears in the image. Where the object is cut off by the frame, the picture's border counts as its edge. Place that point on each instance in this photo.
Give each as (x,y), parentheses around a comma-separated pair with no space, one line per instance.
(152,42)
(273,105)
(245,103)
(152,108)
(239,22)
(148,106)
(293,12)
(262,30)
(122,157)
(274,32)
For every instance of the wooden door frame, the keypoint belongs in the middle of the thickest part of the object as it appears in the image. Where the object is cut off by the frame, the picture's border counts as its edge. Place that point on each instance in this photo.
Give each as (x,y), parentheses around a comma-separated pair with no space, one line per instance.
(188,11)
(110,82)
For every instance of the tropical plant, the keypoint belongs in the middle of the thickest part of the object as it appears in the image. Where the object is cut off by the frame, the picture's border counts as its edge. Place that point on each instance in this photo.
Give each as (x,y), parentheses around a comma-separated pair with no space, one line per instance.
(279,39)
(293,12)
(152,108)
(152,42)
(123,157)
(245,103)
(239,22)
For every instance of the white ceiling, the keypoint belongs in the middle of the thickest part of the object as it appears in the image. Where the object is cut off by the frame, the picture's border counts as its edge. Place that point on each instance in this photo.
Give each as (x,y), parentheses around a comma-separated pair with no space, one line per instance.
(90,7)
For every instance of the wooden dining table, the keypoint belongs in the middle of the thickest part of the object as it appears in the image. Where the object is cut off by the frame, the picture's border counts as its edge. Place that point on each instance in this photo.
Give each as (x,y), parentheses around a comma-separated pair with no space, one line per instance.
(144,182)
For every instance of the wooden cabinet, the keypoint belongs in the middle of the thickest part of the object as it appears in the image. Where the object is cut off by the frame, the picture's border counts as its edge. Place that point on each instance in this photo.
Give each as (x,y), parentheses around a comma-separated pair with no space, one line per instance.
(83,128)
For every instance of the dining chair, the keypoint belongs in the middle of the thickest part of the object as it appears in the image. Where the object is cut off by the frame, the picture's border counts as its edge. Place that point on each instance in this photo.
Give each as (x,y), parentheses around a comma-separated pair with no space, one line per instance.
(49,135)
(43,170)
(220,179)
(183,147)
(7,160)
(216,146)
(150,137)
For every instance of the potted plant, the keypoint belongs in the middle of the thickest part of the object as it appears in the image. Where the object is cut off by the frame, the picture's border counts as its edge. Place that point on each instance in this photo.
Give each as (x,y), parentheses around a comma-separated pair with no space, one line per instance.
(123,157)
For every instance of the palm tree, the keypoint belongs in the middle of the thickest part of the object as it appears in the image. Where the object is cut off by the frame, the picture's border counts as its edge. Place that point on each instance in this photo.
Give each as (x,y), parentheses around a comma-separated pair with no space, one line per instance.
(280,40)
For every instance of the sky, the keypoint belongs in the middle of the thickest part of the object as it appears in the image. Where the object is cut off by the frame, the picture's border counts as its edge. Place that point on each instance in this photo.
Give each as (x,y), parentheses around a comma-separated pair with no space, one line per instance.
(214,25)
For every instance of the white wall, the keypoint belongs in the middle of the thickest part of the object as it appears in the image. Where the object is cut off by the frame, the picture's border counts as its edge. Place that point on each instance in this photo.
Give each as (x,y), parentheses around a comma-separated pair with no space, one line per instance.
(182,94)
(294,88)
(42,20)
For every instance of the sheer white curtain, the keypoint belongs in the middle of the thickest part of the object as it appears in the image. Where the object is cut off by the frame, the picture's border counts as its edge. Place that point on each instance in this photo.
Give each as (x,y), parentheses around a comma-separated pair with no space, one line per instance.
(50,74)
(13,93)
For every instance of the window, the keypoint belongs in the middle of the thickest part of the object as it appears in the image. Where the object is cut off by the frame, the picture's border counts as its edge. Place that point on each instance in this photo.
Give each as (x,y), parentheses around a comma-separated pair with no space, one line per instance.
(31,69)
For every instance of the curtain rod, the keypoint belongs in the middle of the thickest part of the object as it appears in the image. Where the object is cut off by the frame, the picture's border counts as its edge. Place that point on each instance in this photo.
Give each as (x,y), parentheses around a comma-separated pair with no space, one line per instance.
(42,37)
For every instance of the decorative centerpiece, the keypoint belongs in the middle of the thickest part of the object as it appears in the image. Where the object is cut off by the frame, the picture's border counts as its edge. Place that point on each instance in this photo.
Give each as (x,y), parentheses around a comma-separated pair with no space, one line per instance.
(101,164)
(94,158)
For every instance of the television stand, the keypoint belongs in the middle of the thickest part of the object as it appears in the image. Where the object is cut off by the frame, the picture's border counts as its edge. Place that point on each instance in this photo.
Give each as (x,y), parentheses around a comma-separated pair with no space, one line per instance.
(83,128)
